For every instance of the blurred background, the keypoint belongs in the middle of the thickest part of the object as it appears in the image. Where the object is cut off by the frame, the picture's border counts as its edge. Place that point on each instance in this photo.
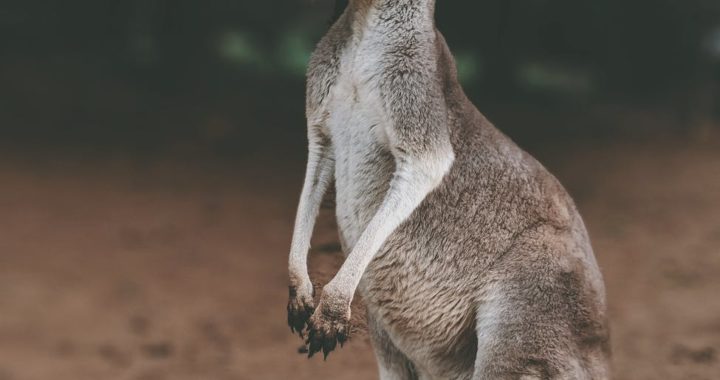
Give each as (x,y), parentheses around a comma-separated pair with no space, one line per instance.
(152,153)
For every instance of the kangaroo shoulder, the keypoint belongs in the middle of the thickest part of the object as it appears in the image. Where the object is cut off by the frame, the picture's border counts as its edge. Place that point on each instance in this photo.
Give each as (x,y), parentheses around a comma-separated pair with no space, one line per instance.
(324,64)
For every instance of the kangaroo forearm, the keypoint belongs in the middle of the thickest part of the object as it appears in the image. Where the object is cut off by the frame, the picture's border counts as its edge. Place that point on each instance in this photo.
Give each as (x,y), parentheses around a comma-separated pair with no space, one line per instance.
(317,179)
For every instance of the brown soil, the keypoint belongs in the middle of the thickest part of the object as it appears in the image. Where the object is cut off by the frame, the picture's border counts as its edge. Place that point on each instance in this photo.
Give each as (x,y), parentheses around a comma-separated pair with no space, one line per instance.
(153,269)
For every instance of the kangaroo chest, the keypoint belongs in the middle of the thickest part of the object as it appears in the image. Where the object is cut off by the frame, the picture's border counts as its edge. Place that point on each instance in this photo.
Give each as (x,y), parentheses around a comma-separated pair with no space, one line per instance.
(357,123)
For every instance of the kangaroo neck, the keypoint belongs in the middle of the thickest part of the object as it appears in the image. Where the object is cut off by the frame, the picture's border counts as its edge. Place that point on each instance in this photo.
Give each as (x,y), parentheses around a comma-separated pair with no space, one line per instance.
(409,15)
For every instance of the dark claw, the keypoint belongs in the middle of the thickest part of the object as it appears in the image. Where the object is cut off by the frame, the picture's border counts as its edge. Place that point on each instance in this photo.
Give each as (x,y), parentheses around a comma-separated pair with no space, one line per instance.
(313,342)
(328,345)
(341,337)
(313,348)
(324,334)
(298,313)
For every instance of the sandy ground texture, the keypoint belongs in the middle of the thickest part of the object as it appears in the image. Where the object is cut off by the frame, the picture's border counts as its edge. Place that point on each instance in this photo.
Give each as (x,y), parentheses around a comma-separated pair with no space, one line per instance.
(150,269)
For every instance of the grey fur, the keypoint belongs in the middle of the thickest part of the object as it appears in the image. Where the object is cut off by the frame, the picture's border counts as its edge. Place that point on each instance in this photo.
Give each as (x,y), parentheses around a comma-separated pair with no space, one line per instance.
(471,258)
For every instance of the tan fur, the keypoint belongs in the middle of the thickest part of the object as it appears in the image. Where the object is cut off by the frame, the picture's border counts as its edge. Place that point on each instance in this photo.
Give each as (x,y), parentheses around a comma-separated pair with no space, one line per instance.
(471,258)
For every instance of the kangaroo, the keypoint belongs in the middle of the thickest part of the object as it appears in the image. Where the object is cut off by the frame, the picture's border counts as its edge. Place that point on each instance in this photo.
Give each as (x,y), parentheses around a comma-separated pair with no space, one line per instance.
(471,258)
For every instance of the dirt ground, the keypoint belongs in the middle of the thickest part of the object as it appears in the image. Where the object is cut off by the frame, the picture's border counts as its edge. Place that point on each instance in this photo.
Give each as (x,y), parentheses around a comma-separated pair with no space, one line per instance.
(152,269)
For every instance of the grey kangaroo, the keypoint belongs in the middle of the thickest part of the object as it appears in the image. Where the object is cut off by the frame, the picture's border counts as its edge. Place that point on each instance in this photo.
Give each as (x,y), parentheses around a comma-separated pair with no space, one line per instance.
(472,260)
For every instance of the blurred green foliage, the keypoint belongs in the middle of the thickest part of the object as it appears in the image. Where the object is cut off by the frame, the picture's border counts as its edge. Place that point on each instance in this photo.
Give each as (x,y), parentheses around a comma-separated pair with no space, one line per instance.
(534,51)
(628,45)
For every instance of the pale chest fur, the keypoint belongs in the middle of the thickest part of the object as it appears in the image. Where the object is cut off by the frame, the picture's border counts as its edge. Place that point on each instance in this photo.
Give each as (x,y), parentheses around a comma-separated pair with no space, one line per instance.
(357,125)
